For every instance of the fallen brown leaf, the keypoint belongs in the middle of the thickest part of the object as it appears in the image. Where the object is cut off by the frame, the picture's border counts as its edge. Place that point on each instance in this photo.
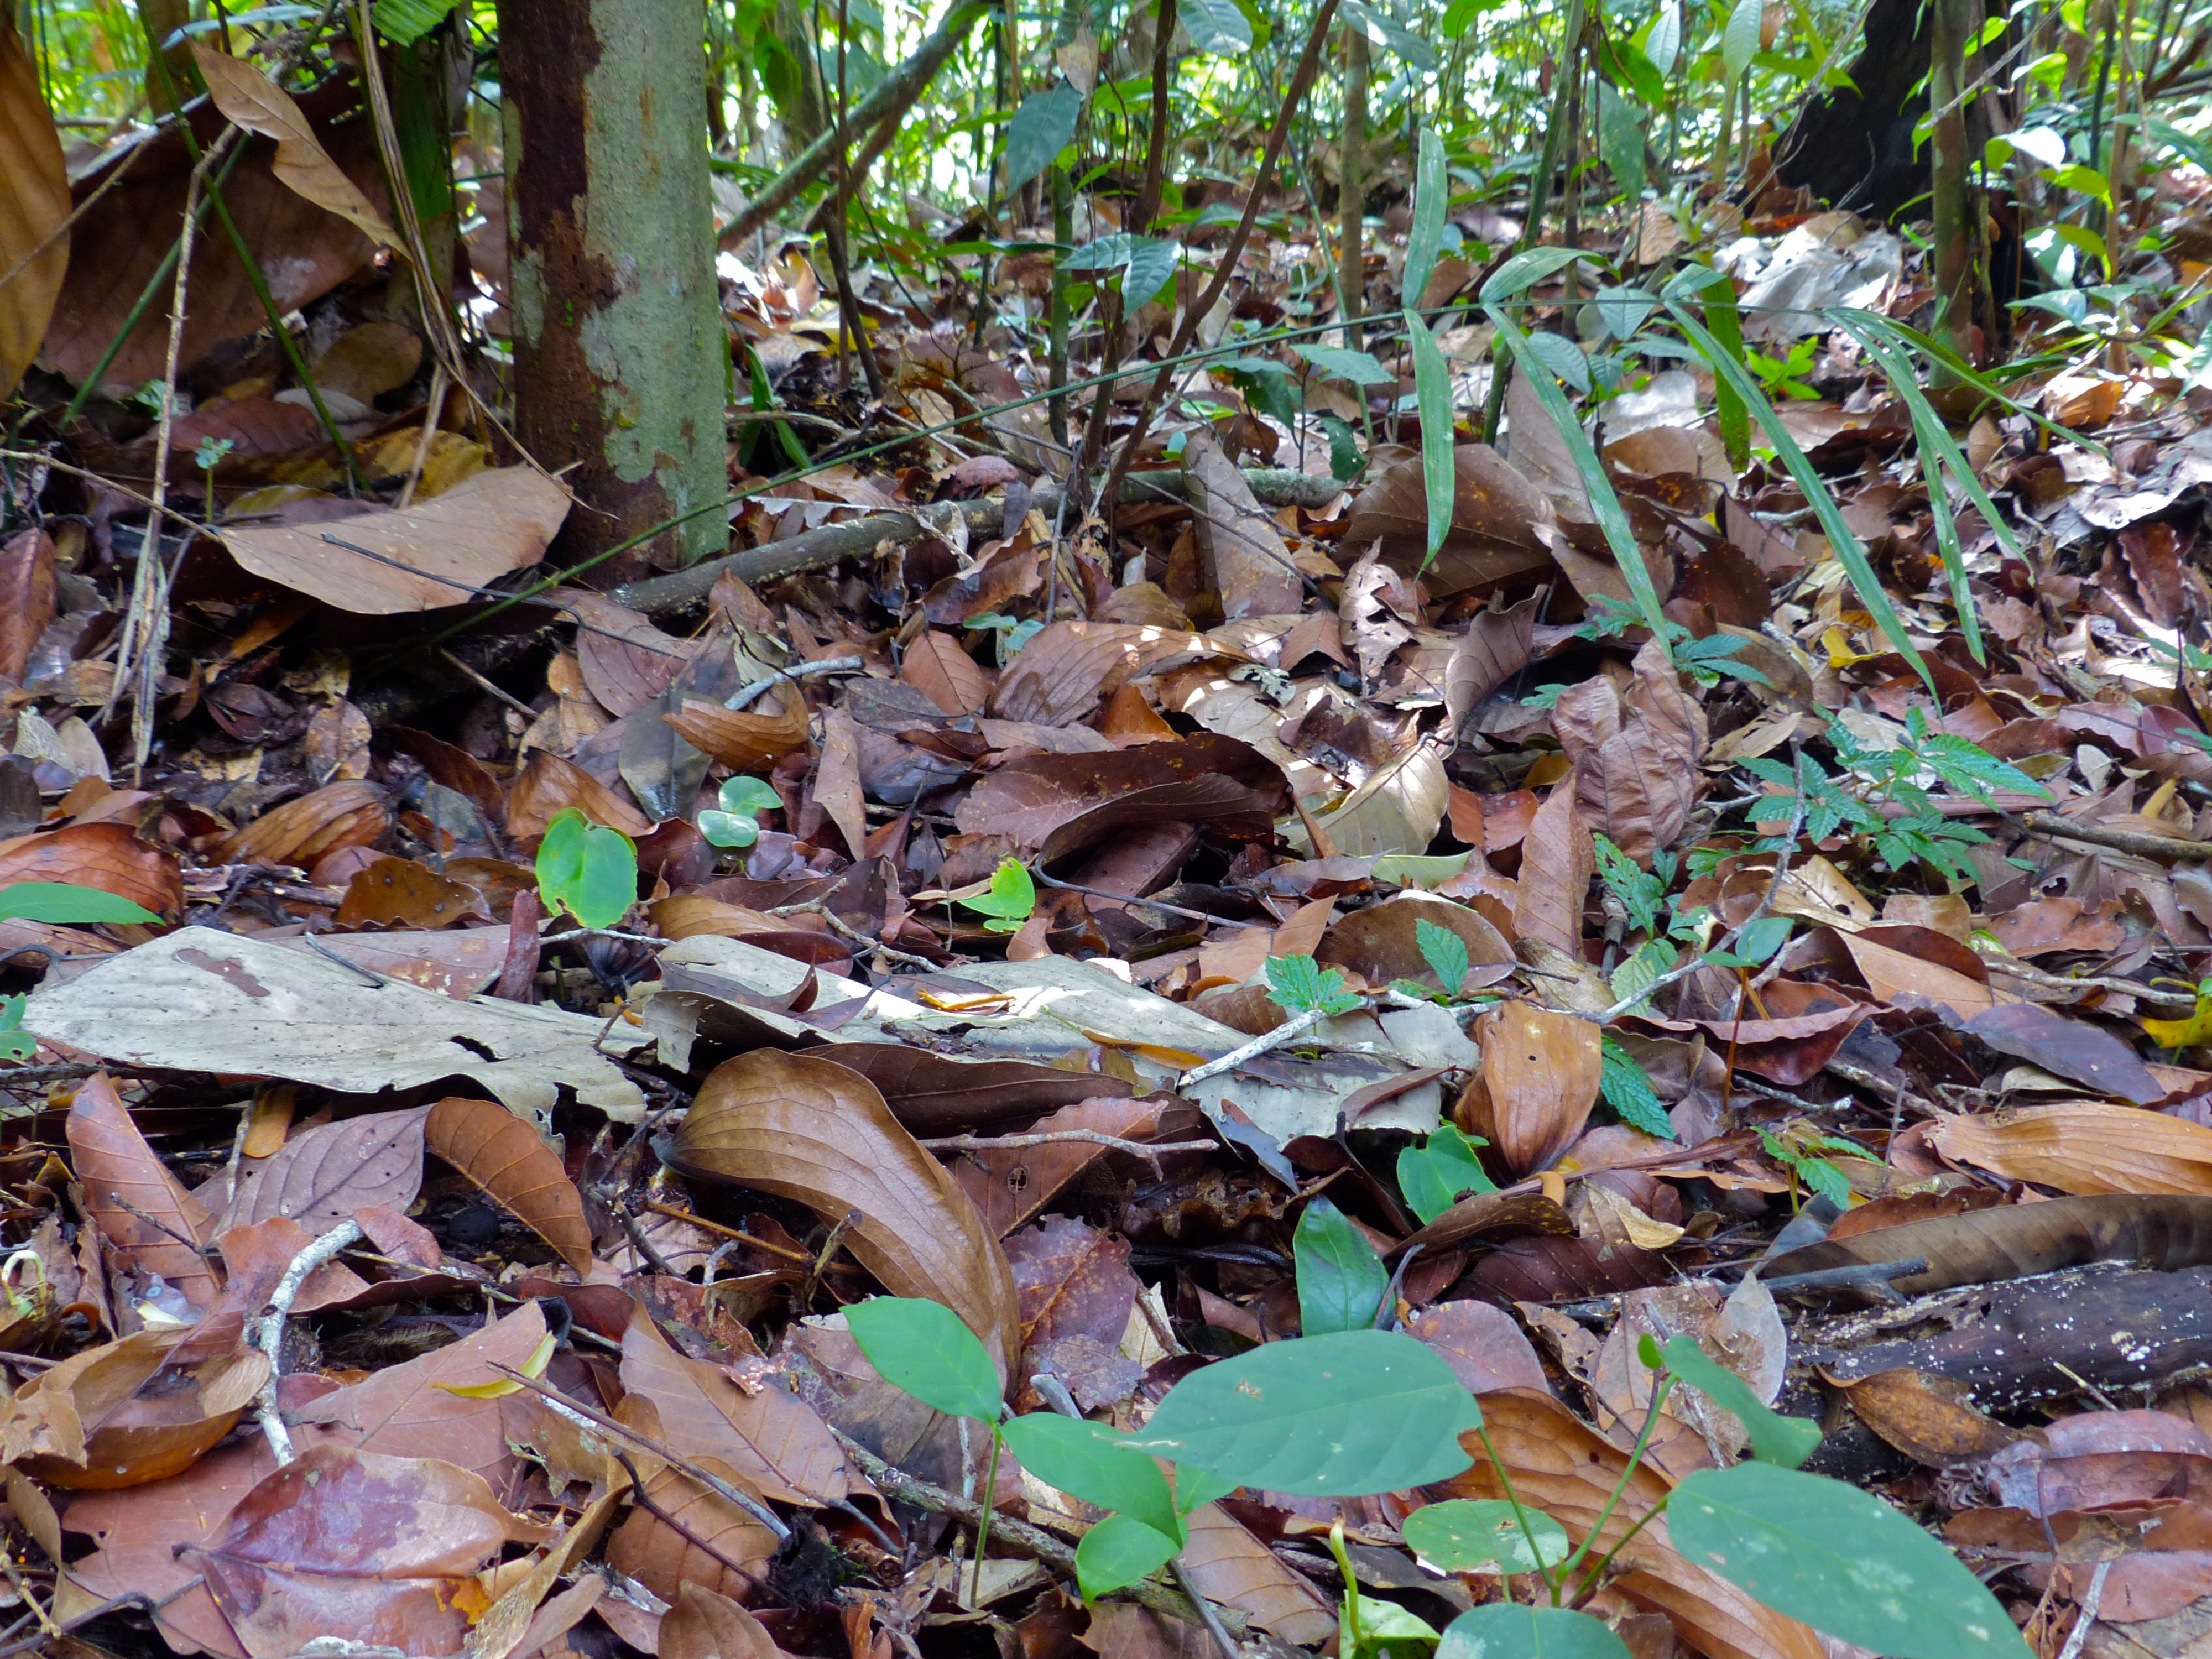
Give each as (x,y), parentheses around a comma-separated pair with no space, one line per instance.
(506,1155)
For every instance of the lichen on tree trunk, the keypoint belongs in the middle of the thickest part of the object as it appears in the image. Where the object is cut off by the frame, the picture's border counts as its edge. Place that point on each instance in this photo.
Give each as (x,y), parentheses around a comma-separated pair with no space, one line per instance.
(621,363)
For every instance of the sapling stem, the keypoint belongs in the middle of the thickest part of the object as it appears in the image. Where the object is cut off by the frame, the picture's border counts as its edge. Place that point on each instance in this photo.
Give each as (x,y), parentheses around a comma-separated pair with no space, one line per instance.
(1520,1513)
(983,1515)
(1659,1392)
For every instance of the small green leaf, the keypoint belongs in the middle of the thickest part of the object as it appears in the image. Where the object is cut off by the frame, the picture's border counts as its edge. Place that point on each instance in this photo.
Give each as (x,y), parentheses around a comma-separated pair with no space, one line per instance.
(1739,38)
(1357,367)
(727,828)
(1009,899)
(1506,1630)
(403,23)
(1089,1461)
(1299,985)
(923,1347)
(1386,31)
(1526,268)
(1444,951)
(1484,1536)
(1840,1560)
(1620,139)
(587,869)
(1433,396)
(1431,1177)
(1118,1552)
(1628,1090)
(1042,127)
(1341,1281)
(15,1043)
(1774,1439)
(66,904)
(749,795)
(1346,1415)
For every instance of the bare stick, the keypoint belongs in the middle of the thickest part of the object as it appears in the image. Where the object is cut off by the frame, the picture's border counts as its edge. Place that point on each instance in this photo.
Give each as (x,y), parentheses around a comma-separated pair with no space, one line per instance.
(1258,1046)
(1149,1150)
(2162,849)
(270,1340)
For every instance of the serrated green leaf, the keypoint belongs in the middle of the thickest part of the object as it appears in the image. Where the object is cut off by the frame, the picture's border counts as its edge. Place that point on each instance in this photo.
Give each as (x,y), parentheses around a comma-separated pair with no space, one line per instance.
(1433,396)
(1432,185)
(1043,126)
(1628,1090)
(1775,1438)
(923,1347)
(1299,984)
(68,904)
(1464,1534)
(1444,951)
(1340,1279)
(1346,1415)
(1840,1560)
(587,869)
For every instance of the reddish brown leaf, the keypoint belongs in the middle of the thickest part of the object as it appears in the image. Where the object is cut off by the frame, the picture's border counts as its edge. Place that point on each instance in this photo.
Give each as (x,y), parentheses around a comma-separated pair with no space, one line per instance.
(627,661)
(352,813)
(1056,805)
(704,1626)
(33,212)
(509,1159)
(815,1132)
(1540,1078)
(1011,1186)
(1497,518)
(1557,863)
(150,1221)
(408,893)
(934,1094)
(321,1176)
(1636,758)
(109,856)
(548,784)
(26,559)
(936,666)
(745,740)
(123,1415)
(1070,668)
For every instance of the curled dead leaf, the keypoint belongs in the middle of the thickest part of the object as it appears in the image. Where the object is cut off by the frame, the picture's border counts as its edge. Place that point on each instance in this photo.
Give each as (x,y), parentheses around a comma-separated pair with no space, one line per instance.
(1540,1074)
(120,1415)
(506,1155)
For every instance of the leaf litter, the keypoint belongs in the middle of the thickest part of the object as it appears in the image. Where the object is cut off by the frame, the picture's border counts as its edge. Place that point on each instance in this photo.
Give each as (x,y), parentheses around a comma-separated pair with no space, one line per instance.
(1795,941)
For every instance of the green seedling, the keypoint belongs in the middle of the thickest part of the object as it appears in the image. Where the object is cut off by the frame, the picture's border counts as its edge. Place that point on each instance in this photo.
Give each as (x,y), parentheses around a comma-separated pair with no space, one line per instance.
(734,820)
(1009,899)
(587,869)
(1299,985)
(61,904)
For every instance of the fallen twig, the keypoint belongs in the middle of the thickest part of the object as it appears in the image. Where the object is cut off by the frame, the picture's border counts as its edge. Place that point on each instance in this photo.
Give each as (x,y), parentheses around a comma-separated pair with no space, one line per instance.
(2163,849)
(271,1338)
(1258,1046)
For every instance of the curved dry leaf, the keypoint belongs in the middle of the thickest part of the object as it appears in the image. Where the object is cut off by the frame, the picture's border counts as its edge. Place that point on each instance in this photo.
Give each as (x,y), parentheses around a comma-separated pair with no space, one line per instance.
(626,661)
(1636,775)
(27,580)
(704,1625)
(1246,561)
(35,210)
(144,1214)
(1558,1464)
(507,1156)
(934,1094)
(775,1441)
(321,1176)
(108,856)
(815,1132)
(1012,1184)
(408,893)
(548,783)
(1490,1215)
(349,813)
(402,1409)
(936,666)
(1381,943)
(1397,810)
(1498,519)
(1540,1075)
(1496,647)
(646,1548)
(92,1423)
(1982,1247)
(745,739)
(2082,1146)
(255,102)
(1931,1420)
(1226,1564)
(1056,805)
(1069,668)
(440,552)
(1558,860)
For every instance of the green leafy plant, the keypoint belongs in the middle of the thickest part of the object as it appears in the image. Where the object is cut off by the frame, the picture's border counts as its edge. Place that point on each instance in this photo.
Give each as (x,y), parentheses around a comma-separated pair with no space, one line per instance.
(1798,1150)
(734,820)
(1628,1090)
(587,869)
(1013,632)
(1352,1412)
(1008,901)
(1432,1176)
(1300,985)
(1341,1281)
(1444,951)
(15,1043)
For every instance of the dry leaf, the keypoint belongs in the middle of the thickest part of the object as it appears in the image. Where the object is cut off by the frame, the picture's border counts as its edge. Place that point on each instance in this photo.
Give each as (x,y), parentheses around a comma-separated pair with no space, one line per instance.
(35,210)
(352,813)
(819,1134)
(1635,759)
(507,1156)
(1246,560)
(119,1415)
(146,1216)
(1541,1074)
(321,1176)
(2082,1147)
(1071,668)
(255,102)
(1558,860)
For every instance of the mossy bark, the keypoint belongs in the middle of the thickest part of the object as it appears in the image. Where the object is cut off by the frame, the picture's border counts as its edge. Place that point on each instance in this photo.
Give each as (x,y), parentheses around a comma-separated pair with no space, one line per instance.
(621,363)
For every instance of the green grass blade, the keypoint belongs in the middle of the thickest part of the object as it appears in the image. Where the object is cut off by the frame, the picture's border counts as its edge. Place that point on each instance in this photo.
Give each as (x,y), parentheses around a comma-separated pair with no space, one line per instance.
(1846,545)
(1433,396)
(1430,187)
(1940,455)
(1605,503)
(1965,371)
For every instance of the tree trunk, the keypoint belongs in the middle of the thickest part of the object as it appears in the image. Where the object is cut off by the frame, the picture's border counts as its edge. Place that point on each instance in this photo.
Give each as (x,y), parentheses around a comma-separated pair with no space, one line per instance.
(621,366)
(1955,23)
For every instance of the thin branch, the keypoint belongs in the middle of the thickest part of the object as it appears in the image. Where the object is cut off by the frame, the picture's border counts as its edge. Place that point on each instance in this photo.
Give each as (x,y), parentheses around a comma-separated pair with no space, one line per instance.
(1258,1046)
(271,1339)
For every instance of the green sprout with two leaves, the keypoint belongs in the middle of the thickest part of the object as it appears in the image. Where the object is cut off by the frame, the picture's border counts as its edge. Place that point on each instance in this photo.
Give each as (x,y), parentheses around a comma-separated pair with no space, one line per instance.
(735,819)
